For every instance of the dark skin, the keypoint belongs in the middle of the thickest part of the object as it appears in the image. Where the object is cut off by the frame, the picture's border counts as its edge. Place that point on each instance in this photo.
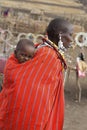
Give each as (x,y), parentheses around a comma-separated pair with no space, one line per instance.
(67,37)
(25,54)
(60,26)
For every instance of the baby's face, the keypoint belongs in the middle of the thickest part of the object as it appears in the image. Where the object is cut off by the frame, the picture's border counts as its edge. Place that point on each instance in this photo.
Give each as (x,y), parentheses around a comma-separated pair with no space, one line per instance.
(30,51)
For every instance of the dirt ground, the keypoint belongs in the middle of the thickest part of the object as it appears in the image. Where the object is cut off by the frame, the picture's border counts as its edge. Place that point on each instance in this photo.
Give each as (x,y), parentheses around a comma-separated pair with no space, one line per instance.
(75,113)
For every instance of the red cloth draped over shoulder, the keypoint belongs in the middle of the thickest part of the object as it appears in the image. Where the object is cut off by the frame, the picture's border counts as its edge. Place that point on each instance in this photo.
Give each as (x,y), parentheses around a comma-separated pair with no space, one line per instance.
(32,97)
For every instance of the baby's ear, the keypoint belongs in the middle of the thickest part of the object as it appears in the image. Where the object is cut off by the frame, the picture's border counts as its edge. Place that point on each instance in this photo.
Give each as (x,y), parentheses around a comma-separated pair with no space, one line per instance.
(15,53)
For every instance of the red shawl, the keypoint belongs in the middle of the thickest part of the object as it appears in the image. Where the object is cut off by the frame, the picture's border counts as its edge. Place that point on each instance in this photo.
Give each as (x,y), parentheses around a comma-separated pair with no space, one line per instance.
(33,97)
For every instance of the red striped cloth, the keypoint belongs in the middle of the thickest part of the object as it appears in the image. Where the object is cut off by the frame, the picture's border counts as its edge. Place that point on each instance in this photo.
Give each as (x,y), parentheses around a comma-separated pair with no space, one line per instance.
(33,97)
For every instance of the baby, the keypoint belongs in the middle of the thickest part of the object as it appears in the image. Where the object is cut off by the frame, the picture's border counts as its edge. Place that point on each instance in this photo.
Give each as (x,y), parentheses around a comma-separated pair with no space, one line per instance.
(25,50)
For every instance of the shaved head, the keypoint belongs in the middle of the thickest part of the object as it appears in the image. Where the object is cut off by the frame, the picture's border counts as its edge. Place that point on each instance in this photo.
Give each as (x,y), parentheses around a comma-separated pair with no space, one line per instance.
(57,26)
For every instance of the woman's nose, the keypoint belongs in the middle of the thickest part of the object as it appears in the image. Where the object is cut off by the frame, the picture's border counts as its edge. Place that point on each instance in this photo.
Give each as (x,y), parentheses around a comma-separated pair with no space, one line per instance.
(71,38)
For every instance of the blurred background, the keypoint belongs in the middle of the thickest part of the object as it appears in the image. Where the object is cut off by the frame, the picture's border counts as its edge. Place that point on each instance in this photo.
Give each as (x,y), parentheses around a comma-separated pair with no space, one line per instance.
(32,16)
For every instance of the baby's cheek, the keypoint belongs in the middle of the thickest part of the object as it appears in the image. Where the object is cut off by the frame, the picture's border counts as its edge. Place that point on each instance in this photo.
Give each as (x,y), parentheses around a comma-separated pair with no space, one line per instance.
(21,59)
(27,58)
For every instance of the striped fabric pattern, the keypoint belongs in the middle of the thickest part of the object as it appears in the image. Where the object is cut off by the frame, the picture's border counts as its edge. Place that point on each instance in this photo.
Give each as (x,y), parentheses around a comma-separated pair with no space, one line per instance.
(33,97)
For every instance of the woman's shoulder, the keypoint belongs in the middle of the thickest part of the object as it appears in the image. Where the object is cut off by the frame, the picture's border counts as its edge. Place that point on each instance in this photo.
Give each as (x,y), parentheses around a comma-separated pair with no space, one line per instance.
(47,50)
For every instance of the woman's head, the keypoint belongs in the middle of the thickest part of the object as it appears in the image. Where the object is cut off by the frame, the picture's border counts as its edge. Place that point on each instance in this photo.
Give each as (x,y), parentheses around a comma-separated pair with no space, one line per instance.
(60,26)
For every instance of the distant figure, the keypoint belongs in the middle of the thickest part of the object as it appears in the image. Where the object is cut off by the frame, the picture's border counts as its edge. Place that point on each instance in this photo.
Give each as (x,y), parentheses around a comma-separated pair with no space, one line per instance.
(6,12)
(81,65)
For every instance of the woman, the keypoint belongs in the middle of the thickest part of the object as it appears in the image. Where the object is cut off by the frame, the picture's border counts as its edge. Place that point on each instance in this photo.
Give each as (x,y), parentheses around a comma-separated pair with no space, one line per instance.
(33,97)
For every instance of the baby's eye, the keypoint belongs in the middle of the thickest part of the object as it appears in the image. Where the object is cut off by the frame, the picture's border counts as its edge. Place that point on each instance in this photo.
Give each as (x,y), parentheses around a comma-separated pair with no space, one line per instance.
(29,56)
(24,54)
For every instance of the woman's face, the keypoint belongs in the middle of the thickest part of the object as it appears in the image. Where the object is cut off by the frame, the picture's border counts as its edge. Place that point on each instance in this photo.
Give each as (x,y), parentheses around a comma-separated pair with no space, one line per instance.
(67,37)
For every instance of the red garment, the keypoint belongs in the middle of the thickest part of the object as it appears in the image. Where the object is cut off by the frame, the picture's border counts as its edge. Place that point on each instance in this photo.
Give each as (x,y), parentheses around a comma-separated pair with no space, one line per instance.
(33,97)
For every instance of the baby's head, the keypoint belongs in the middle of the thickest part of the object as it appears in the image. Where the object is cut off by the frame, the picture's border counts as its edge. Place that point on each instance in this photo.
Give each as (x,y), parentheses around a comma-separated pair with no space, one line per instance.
(25,50)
